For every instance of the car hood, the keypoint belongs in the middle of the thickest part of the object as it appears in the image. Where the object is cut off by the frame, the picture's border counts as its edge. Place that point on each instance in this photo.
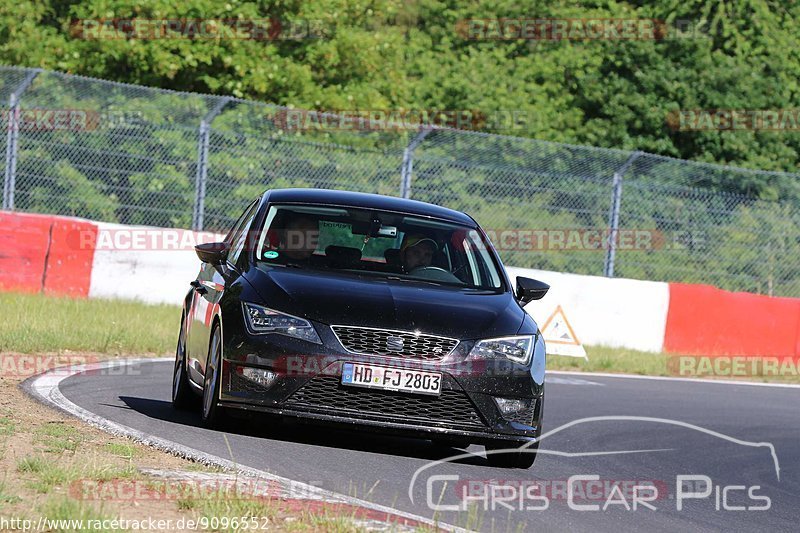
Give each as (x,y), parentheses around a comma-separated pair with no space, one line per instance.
(336,298)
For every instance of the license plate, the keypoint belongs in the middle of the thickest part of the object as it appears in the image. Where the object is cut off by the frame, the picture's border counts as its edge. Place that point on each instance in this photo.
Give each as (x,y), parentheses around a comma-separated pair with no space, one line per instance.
(395,379)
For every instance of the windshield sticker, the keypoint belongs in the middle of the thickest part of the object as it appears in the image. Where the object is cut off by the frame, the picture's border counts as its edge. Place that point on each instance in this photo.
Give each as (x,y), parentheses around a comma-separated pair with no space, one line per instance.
(328,224)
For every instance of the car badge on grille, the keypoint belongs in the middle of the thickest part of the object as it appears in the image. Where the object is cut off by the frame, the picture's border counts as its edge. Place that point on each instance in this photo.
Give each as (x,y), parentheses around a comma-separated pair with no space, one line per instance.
(394,344)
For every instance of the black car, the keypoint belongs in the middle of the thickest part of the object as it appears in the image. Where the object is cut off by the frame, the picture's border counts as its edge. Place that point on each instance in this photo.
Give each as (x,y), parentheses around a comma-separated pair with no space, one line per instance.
(363,309)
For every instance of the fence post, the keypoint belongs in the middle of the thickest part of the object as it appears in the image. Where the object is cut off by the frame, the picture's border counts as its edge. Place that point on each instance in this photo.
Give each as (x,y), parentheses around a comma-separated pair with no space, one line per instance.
(613,216)
(12,140)
(408,161)
(202,164)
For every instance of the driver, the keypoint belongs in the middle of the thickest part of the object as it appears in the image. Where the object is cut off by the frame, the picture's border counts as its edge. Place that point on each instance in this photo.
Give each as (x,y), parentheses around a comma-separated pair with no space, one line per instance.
(417,252)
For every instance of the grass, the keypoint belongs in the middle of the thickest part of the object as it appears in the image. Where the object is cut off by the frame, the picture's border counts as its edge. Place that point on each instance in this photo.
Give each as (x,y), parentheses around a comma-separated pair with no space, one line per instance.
(603,359)
(7,426)
(58,437)
(331,524)
(33,465)
(472,519)
(33,323)
(5,497)
(226,505)
(63,513)
(126,451)
(47,473)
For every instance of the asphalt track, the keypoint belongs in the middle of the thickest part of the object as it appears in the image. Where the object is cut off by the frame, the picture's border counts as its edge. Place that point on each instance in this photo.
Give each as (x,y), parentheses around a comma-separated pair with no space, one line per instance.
(708,429)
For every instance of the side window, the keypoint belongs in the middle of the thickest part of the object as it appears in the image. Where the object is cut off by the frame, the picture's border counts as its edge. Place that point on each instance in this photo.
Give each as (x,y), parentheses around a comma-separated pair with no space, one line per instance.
(238,236)
(229,238)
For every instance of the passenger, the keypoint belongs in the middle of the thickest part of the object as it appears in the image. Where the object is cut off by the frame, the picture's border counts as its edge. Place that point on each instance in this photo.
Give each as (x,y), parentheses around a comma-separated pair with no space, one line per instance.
(299,238)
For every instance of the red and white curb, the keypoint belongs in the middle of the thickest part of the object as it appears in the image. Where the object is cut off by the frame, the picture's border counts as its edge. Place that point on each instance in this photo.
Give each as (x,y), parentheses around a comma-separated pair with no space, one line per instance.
(371,516)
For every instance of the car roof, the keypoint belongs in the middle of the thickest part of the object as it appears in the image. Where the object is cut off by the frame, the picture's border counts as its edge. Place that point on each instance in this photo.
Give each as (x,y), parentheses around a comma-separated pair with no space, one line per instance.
(368,201)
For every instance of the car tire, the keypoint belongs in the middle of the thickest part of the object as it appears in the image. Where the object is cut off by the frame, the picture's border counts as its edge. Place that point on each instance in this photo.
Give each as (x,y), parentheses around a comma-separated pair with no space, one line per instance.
(182,395)
(510,459)
(212,414)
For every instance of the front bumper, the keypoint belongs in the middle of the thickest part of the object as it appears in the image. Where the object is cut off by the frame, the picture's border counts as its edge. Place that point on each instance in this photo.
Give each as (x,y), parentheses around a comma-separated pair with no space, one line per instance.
(387,427)
(469,416)
(308,388)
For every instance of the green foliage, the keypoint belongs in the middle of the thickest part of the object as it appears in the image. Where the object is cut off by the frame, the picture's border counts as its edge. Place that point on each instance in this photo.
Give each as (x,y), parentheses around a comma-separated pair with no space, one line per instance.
(65,190)
(395,55)
(390,54)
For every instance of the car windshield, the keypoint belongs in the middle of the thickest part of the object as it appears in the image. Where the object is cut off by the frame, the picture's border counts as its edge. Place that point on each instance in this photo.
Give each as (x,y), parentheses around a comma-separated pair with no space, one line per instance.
(377,243)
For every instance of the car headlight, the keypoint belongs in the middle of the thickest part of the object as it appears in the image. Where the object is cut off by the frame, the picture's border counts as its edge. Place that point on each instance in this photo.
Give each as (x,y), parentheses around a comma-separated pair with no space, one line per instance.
(517,349)
(261,320)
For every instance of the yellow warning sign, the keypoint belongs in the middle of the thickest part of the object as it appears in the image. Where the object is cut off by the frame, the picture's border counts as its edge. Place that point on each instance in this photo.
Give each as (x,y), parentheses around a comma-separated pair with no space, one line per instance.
(560,338)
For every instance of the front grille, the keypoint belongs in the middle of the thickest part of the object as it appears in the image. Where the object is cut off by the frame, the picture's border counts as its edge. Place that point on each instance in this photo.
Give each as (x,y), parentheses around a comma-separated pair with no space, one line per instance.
(394,343)
(326,394)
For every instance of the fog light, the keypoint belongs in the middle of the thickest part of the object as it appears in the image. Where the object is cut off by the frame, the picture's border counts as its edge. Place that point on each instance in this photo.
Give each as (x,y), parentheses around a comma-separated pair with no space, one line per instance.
(512,405)
(265,378)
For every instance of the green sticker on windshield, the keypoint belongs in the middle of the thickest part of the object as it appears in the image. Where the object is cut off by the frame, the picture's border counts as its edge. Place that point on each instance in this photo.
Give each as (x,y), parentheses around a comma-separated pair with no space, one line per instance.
(272,254)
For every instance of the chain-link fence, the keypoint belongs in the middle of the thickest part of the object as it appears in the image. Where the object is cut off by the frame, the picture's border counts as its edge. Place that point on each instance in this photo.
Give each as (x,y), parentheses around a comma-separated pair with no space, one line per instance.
(135,155)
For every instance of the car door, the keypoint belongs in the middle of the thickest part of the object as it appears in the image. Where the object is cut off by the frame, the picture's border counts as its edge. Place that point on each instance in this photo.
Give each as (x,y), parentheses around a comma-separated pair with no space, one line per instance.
(208,289)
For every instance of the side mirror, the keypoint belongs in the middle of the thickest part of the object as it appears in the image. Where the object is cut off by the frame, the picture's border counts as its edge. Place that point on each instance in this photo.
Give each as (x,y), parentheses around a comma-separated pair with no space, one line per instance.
(213,253)
(530,289)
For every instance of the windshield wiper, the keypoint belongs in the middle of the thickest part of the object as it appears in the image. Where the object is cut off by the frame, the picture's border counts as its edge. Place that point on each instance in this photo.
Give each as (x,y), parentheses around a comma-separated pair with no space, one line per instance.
(398,278)
(285,265)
